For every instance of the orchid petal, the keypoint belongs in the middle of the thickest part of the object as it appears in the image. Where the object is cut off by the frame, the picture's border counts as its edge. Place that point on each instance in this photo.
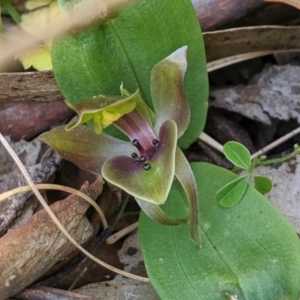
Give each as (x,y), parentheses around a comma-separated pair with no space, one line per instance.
(84,148)
(151,185)
(167,93)
(141,107)
(136,127)
(95,107)
(185,176)
(154,212)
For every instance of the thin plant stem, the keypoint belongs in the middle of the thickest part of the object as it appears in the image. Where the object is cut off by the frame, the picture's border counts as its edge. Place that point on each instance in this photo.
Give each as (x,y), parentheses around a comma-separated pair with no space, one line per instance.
(276,143)
(230,60)
(121,211)
(211,142)
(89,263)
(125,231)
(11,10)
(277,160)
(259,162)
(1,25)
(185,176)
(48,186)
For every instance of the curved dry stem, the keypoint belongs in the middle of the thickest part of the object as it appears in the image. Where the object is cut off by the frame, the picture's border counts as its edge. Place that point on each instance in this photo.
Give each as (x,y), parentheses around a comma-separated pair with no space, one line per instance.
(227,61)
(56,221)
(118,235)
(276,143)
(211,142)
(48,186)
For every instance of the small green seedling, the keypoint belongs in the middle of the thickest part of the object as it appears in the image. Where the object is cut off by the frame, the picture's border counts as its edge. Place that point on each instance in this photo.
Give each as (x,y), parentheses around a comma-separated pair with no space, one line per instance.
(230,194)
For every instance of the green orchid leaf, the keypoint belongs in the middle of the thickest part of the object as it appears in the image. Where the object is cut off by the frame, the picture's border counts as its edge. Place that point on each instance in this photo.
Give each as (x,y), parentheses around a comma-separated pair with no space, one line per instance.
(84,148)
(230,194)
(249,251)
(167,93)
(185,176)
(149,180)
(125,49)
(154,212)
(238,154)
(262,184)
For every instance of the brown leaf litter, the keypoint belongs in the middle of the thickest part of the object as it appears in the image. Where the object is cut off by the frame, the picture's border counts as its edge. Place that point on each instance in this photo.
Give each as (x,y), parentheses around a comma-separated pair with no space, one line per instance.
(29,251)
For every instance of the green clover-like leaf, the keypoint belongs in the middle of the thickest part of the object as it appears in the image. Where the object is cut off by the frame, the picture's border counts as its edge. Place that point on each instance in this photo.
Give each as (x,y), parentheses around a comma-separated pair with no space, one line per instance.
(238,154)
(262,184)
(230,194)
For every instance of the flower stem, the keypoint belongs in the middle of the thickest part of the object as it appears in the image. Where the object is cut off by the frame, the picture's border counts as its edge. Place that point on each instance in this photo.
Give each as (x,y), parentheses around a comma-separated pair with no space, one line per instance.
(277,160)
(186,177)
(11,10)
(154,212)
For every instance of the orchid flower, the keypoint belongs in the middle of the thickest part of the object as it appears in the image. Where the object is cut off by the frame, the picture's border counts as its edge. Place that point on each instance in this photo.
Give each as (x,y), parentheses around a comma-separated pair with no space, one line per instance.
(144,167)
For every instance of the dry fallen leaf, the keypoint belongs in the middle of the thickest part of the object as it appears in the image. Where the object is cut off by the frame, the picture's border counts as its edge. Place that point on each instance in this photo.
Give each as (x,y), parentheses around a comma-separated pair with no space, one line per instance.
(215,13)
(10,178)
(272,93)
(29,251)
(29,87)
(225,43)
(295,3)
(43,292)
(27,120)
(285,194)
(25,108)
(121,288)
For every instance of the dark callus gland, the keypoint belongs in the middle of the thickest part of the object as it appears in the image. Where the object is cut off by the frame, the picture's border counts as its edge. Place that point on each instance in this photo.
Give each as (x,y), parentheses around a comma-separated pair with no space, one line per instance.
(142,158)
(147,167)
(135,143)
(155,143)
(134,155)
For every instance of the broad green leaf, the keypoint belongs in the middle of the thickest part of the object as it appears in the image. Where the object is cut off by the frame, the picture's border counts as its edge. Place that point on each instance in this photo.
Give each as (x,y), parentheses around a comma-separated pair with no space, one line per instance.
(262,184)
(230,194)
(126,48)
(238,154)
(249,252)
